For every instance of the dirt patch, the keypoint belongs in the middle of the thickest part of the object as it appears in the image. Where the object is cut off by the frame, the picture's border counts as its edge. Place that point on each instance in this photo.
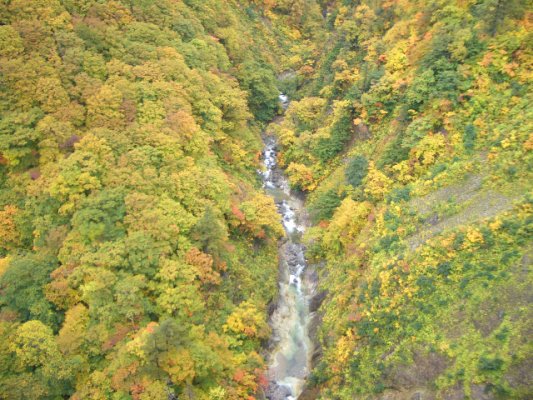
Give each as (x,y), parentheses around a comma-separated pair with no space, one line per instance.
(482,205)
(426,367)
(460,192)
(417,394)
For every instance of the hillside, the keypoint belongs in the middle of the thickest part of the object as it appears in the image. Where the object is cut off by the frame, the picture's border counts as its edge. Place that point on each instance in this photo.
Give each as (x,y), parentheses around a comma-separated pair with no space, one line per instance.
(413,141)
(140,254)
(137,252)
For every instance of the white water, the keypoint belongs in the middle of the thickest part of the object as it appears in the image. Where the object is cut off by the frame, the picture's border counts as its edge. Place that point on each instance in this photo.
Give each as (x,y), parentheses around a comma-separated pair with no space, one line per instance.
(290,359)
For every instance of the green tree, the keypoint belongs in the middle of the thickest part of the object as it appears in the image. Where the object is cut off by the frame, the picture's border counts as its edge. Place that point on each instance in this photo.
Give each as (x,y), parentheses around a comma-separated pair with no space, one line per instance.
(356,170)
(22,288)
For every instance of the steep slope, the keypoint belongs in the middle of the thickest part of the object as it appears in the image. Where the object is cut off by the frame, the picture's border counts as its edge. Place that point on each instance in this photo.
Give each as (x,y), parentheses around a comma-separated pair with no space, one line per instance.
(412,137)
(138,254)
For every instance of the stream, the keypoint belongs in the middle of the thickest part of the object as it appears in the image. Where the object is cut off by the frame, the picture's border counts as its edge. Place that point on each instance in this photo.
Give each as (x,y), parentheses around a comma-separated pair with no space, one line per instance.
(292,348)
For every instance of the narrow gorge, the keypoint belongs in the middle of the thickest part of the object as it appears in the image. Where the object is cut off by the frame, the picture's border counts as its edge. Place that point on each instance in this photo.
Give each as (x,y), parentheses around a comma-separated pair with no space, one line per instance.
(291,345)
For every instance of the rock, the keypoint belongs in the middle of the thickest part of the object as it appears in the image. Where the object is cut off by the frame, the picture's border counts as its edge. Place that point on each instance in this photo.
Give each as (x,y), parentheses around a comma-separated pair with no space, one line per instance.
(426,367)
(272,307)
(277,392)
(433,220)
(317,300)
(309,394)
(481,392)
(454,393)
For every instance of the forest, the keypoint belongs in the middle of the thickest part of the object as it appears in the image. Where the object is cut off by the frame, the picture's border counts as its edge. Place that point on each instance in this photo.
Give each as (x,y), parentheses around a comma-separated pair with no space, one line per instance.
(139,251)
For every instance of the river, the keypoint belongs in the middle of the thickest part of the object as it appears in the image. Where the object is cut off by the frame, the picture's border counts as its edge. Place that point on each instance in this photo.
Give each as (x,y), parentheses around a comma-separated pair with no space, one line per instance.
(292,348)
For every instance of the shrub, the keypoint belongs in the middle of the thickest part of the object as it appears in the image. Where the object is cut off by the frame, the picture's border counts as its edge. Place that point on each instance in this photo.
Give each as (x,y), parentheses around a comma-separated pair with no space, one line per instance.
(325,205)
(399,194)
(394,153)
(340,132)
(469,137)
(357,170)
(490,364)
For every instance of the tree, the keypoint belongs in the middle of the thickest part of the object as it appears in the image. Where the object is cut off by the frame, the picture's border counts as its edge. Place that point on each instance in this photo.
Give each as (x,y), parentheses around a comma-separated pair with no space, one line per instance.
(356,170)
(179,294)
(130,298)
(72,333)
(9,234)
(11,44)
(82,173)
(260,217)
(51,94)
(204,266)
(246,320)
(347,222)
(377,184)
(103,108)
(211,233)
(35,346)
(37,355)
(260,82)
(324,206)
(22,288)
(164,348)
(494,13)
(301,176)
(57,138)
(18,137)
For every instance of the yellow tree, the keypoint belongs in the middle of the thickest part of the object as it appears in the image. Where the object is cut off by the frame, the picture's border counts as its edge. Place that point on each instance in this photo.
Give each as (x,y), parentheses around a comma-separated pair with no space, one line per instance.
(103,108)
(377,184)
(260,216)
(9,235)
(301,176)
(347,222)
